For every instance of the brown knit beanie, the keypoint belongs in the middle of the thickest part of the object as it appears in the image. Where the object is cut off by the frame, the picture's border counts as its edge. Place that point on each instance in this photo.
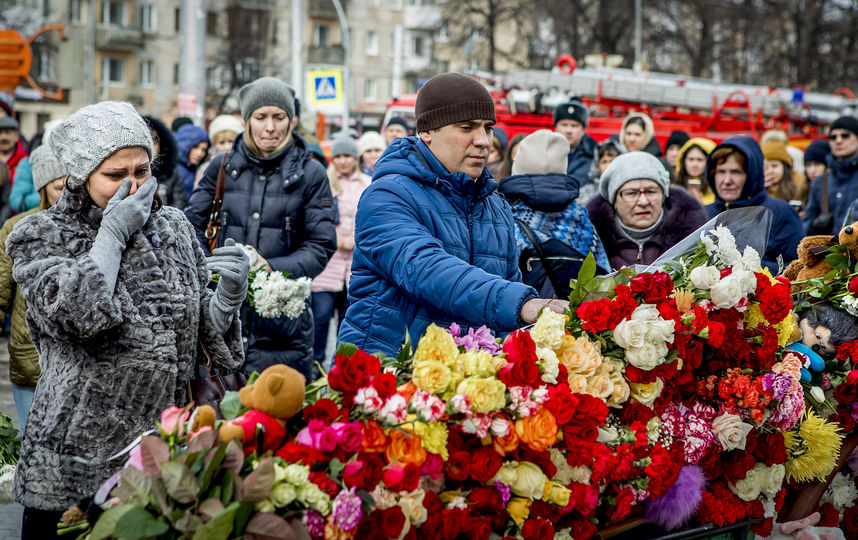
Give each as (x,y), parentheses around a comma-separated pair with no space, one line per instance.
(449,98)
(776,151)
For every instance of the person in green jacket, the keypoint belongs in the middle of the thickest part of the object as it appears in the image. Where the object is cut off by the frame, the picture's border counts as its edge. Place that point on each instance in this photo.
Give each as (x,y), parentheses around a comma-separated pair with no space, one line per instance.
(49,180)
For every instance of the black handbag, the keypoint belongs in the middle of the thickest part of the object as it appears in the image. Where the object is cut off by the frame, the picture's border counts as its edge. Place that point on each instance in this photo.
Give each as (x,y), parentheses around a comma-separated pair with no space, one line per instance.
(822,223)
(210,388)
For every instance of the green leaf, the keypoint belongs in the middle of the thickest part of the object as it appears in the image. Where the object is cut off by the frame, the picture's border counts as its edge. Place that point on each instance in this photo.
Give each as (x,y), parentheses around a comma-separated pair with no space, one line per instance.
(209,508)
(104,527)
(258,484)
(265,526)
(234,459)
(230,405)
(203,442)
(153,452)
(242,516)
(837,261)
(180,482)
(228,485)
(219,527)
(404,352)
(134,486)
(587,270)
(335,466)
(346,348)
(188,523)
(138,523)
(213,466)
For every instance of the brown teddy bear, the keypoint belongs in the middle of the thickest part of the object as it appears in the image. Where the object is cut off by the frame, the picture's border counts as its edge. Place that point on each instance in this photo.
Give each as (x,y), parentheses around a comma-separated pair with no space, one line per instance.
(276,396)
(812,250)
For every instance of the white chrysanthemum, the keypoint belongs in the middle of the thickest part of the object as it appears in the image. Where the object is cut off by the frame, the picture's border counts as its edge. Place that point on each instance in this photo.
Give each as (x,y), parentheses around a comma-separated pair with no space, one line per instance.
(751,259)
(842,492)
(851,304)
(7,474)
(275,295)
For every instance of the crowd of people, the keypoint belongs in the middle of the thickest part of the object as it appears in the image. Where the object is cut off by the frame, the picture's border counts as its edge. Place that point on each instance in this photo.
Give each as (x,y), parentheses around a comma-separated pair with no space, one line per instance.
(104,268)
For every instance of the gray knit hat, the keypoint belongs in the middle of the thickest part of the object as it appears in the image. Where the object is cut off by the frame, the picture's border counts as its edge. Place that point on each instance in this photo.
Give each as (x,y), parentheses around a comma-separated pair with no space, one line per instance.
(264,92)
(542,152)
(46,167)
(344,145)
(93,133)
(632,166)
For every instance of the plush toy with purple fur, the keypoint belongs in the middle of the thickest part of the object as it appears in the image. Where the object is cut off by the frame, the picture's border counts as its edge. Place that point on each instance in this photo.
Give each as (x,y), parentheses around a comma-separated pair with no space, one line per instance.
(678,505)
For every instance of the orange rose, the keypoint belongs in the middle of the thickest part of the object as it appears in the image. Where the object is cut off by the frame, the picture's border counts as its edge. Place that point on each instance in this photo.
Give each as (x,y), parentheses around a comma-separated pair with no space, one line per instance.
(374,439)
(407,390)
(538,431)
(404,447)
(505,445)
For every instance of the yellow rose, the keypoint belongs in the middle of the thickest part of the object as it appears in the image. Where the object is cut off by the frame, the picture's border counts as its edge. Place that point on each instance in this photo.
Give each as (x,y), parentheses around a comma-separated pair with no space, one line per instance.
(476,364)
(436,345)
(538,431)
(432,376)
(529,481)
(620,392)
(518,509)
(583,357)
(486,394)
(554,493)
(433,435)
(599,384)
(646,393)
(578,384)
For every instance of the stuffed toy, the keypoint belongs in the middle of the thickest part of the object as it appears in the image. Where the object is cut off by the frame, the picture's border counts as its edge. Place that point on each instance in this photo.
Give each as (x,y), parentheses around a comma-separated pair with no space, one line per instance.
(276,396)
(812,250)
(805,529)
(824,328)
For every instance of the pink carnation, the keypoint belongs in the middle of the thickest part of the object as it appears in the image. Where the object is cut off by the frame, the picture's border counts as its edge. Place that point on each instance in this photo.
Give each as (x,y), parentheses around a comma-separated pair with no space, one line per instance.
(369,399)
(395,410)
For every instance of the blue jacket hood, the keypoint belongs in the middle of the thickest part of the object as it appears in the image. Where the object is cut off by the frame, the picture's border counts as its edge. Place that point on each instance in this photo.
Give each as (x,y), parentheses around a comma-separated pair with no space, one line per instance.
(411,157)
(754,191)
(188,137)
(543,192)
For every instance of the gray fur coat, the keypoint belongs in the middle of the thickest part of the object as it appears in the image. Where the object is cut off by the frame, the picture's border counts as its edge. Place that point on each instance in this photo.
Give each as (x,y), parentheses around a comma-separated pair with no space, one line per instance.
(109,364)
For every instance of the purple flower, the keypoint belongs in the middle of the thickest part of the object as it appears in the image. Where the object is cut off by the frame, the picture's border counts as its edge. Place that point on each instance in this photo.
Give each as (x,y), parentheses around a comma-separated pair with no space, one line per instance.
(505,492)
(315,523)
(781,385)
(347,510)
(455,330)
(479,339)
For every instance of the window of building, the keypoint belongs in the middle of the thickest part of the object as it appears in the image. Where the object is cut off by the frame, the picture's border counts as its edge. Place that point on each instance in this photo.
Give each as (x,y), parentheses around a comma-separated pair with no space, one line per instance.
(112,70)
(321,35)
(395,4)
(413,2)
(148,18)
(444,33)
(75,11)
(371,43)
(146,72)
(178,19)
(418,46)
(45,67)
(373,3)
(113,13)
(369,90)
(211,23)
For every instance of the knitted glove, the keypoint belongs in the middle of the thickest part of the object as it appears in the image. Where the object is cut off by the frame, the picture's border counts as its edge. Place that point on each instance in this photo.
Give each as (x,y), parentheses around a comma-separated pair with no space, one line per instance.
(123,215)
(231,262)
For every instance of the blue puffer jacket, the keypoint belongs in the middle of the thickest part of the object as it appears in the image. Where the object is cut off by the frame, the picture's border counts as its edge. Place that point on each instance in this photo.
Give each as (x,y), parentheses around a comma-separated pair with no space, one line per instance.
(188,137)
(431,247)
(282,205)
(787,230)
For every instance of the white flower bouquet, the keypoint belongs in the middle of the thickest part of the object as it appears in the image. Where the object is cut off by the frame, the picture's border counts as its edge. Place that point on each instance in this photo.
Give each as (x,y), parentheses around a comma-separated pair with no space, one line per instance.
(275,294)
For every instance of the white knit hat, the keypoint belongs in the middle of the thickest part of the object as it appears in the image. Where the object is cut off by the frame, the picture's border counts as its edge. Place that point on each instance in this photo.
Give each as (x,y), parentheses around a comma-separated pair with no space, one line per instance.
(224,122)
(93,133)
(46,167)
(369,141)
(542,152)
(632,166)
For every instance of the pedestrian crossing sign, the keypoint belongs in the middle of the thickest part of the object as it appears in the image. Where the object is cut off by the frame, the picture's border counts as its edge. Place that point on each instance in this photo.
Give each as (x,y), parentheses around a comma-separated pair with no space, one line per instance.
(326,87)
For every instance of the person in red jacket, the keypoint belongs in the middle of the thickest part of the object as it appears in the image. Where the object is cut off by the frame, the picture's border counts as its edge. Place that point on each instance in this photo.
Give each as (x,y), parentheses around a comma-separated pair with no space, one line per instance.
(11,148)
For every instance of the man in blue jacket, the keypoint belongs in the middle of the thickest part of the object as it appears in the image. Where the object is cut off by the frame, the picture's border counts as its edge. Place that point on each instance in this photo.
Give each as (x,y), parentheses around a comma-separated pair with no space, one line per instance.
(842,181)
(433,242)
(735,171)
(570,120)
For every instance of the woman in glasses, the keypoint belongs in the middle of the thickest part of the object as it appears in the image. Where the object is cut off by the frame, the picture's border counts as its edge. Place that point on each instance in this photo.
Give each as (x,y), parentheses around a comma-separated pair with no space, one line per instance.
(639,215)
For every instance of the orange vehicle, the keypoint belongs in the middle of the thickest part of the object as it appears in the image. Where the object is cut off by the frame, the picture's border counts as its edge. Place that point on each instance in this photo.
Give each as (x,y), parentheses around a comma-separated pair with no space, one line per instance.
(699,107)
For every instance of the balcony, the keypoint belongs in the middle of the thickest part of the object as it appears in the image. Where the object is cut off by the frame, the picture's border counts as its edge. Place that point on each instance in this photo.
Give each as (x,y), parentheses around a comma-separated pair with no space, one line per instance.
(321,9)
(119,38)
(422,17)
(329,54)
(416,64)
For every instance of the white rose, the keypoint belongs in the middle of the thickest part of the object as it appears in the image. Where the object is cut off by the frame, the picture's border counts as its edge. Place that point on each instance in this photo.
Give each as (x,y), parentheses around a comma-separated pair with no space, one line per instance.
(747,281)
(726,293)
(311,495)
(645,357)
(412,507)
(817,394)
(730,431)
(630,334)
(774,481)
(265,506)
(704,277)
(660,331)
(748,489)
(296,474)
(283,494)
(645,312)
(646,393)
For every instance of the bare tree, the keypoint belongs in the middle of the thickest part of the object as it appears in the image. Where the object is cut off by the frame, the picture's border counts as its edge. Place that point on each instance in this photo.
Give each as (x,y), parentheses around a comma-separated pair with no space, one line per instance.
(485,18)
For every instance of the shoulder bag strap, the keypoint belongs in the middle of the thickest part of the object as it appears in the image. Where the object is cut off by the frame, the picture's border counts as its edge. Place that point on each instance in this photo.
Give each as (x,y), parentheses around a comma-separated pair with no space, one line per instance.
(823,194)
(213,227)
(539,251)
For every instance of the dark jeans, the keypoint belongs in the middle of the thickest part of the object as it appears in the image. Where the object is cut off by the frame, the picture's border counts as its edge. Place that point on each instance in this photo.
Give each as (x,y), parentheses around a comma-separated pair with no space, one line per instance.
(39,524)
(324,305)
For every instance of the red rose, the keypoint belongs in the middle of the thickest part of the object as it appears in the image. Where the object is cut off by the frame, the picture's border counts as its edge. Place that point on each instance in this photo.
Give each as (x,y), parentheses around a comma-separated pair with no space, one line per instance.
(369,525)
(485,496)
(844,418)
(392,521)
(351,374)
(384,384)
(585,499)
(524,373)
(849,521)
(519,346)
(583,529)
(830,516)
(453,520)
(653,287)
(485,463)
(363,473)
(736,465)
(458,467)
(481,528)
(324,409)
(432,503)
(537,529)
(430,530)
(637,375)
(595,316)
(299,453)
(846,393)
(853,286)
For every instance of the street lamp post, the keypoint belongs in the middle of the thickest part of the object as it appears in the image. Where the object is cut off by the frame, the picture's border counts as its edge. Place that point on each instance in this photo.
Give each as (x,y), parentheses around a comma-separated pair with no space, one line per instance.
(344,31)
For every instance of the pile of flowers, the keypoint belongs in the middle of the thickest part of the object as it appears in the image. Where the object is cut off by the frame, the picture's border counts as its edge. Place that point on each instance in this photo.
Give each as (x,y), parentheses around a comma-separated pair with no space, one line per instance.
(10,449)
(664,396)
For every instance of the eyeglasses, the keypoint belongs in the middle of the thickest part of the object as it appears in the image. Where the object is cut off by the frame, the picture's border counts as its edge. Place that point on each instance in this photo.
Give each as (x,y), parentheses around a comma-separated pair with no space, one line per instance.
(835,136)
(632,195)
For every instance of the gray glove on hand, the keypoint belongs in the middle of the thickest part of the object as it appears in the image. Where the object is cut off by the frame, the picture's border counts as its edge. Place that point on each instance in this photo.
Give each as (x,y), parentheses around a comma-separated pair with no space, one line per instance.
(231,262)
(123,215)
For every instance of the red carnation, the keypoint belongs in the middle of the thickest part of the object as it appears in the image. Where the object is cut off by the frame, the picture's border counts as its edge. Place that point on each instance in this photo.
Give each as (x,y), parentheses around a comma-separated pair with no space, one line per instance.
(625,499)
(848,352)
(776,303)
(561,403)
(595,316)
(519,346)
(830,516)
(392,521)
